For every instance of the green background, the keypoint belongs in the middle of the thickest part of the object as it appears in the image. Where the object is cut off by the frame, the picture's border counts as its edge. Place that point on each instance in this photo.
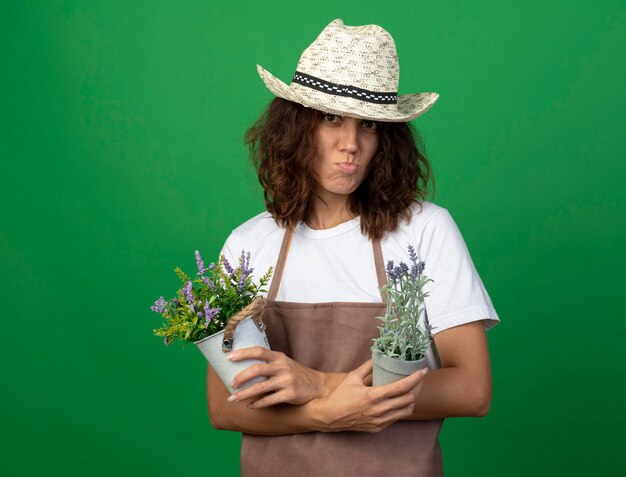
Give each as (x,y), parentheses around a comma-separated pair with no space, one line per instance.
(122,153)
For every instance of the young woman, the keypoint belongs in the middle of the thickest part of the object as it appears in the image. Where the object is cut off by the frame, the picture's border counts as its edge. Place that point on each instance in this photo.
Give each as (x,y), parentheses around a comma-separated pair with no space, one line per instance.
(345,188)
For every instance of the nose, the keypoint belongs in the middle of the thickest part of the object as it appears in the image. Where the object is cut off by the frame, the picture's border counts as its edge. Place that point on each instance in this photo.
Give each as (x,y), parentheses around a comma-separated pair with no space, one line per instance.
(348,136)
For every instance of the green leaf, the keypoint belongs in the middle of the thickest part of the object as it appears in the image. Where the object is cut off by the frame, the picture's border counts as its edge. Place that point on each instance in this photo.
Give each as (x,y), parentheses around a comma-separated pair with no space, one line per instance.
(183,277)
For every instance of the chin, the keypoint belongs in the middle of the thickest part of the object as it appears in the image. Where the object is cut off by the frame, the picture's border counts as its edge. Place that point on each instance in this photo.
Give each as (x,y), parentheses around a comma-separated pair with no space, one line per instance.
(343,190)
(339,189)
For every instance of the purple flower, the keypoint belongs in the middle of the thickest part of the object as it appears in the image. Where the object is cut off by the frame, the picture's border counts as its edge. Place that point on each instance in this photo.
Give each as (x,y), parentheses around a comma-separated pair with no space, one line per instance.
(401,270)
(245,263)
(412,254)
(246,271)
(391,270)
(208,282)
(159,305)
(187,292)
(420,267)
(200,263)
(227,266)
(209,313)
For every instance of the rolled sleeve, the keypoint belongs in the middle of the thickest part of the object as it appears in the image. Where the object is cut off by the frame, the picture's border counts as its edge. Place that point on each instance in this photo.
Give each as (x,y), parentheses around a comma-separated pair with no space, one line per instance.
(456,295)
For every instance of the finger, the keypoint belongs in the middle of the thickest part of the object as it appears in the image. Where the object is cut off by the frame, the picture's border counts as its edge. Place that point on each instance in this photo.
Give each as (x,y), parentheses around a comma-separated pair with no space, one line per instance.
(253,371)
(362,371)
(409,382)
(256,389)
(393,404)
(254,352)
(417,377)
(392,416)
(401,386)
(271,399)
(377,423)
(416,390)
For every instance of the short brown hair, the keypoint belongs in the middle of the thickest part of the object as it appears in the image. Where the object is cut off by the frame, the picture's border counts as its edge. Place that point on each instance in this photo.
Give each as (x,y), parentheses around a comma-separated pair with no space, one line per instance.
(282,148)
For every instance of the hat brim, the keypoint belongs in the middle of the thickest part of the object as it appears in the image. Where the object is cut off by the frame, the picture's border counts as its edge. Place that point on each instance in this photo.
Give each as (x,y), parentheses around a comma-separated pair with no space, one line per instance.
(408,107)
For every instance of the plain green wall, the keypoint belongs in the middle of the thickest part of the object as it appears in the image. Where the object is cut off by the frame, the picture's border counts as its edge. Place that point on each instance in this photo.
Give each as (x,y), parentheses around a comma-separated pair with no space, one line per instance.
(121,154)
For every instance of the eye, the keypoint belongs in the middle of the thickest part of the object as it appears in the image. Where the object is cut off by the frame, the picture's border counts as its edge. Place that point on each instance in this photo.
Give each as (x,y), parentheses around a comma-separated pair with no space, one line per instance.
(332,118)
(369,124)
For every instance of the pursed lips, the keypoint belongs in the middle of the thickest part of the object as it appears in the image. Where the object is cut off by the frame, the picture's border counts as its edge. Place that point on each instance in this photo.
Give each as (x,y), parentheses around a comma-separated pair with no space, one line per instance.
(347,167)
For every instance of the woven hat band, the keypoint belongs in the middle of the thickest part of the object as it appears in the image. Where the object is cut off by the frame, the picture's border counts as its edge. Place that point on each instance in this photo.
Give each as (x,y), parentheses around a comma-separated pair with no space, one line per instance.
(345,90)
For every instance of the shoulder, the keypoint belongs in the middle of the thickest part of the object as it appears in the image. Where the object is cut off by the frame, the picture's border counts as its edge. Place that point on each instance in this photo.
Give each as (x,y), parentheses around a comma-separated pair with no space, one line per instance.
(422,213)
(456,293)
(424,217)
(258,234)
(261,236)
(259,225)
(431,230)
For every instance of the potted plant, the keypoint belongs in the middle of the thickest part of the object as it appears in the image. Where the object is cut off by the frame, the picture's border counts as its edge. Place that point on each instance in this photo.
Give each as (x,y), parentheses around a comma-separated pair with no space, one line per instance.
(219,311)
(401,347)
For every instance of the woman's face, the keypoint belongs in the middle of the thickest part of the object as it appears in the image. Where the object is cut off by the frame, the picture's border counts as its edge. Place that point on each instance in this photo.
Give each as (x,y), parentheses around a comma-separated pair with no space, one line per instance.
(345,147)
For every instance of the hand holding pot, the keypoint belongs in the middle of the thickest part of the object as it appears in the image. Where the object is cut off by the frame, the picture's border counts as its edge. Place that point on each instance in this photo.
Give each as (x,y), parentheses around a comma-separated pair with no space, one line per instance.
(353,406)
(288,382)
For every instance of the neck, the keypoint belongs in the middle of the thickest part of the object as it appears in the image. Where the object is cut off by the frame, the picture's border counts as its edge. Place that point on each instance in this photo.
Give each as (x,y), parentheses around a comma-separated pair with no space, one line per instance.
(328,210)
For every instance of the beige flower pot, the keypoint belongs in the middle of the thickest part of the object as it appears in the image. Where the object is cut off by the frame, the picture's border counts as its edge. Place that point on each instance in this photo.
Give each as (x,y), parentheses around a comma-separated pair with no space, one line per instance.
(247,334)
(388,370)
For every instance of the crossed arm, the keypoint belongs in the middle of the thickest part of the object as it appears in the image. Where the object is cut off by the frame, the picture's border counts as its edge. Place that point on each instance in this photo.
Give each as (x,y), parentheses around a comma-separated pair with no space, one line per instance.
(298,399)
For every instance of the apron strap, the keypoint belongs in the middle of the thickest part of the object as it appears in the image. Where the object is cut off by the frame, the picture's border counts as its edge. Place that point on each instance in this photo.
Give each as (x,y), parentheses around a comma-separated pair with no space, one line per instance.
(381,274)
(280,265)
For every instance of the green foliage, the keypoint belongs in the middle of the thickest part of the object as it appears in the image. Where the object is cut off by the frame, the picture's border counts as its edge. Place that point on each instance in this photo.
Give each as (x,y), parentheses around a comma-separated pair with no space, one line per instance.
(202,306)
(182,275)
(401,334)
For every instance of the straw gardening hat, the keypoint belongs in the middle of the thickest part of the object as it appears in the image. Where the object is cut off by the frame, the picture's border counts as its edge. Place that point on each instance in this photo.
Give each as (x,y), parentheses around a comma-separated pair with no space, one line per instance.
(351,71)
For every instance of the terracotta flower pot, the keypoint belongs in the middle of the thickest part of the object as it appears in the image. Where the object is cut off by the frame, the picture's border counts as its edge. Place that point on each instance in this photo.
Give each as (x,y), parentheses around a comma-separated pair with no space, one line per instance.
(247,333)
(387,370)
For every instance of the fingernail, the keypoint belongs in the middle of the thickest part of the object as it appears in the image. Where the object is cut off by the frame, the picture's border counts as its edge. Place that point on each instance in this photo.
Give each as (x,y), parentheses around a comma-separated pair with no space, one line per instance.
(230,356)
(234,384)
(250,406)
(425,372)
(232,398)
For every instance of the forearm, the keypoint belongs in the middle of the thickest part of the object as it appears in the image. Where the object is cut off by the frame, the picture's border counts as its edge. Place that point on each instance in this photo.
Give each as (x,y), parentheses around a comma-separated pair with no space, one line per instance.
(351,406)
(332,380)
(274,420)
(452,392)
(462,386)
